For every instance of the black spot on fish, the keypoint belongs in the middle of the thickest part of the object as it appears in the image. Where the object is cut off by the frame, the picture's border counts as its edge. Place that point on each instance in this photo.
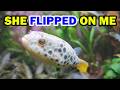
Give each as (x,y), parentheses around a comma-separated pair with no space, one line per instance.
(61,62)
(74,62)
(45,54)
(44,49)
(64,49)
(61,45)
(65,57)
(56,60)
(51,59)
(71,58)
(59,50)
(68,56)
(50,52)
(55,49)
(61,54)
(65,62)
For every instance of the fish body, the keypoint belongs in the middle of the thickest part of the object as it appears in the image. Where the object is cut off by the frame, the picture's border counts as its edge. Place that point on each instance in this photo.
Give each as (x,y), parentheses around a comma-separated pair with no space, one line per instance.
(52,49)
(115,35)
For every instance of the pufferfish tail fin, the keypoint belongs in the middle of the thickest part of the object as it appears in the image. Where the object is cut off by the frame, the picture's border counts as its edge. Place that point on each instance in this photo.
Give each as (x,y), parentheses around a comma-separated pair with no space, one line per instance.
(82,66)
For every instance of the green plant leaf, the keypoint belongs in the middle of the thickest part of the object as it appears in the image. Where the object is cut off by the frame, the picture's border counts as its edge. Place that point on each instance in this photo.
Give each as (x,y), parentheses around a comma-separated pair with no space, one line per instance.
(73,37)
(76,13)
(92,33)
(85,32)
(116,60)
(109,75)
(103,30)
(58,32)
(116,67)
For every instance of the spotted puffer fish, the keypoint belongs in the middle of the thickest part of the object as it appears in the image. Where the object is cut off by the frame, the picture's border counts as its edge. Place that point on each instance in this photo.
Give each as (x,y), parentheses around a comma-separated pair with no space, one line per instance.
(52,49)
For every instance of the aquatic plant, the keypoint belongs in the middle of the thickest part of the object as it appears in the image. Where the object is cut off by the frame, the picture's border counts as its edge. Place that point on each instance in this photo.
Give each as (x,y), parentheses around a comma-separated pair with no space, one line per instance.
(112,69)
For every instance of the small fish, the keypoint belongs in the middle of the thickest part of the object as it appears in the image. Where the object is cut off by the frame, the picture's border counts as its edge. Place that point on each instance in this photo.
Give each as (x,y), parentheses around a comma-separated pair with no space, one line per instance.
(115,35)
(52,49)
(117,55)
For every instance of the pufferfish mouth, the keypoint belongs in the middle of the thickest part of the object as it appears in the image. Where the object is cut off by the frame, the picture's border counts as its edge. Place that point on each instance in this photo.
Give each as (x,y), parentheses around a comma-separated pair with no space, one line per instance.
(24,42)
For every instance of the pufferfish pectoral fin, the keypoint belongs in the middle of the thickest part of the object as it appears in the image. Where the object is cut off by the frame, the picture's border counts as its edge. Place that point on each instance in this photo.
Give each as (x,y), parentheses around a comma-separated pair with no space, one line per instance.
(82,66)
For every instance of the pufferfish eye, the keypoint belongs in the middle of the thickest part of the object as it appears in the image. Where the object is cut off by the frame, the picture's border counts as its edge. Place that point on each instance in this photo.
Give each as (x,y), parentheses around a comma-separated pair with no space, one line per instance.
(41,42)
